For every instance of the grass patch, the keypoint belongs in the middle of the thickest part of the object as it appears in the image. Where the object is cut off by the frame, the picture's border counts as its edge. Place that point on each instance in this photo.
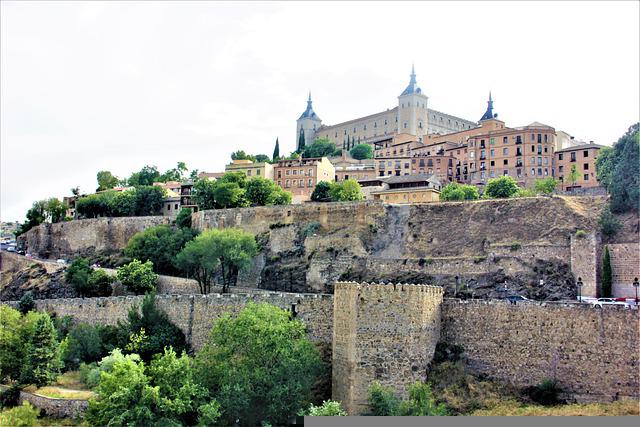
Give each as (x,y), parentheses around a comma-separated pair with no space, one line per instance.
(70,380)
(63,393)
(515,408)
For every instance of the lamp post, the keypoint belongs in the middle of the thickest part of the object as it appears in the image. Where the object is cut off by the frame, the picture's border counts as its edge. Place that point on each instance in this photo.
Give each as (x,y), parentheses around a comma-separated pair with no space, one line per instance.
(579,284)
(635,285)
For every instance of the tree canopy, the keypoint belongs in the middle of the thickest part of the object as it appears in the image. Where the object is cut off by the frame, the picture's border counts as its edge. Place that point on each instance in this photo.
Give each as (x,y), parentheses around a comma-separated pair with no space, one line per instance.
(139,201)
(106,180)
(362,151)
(320,148)
(160,245)
(346,191)
(455,191)
(234,190)
(502,187)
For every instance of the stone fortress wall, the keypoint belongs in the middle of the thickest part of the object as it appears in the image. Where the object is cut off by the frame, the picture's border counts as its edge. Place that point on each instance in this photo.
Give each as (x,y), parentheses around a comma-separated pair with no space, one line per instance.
(388,332)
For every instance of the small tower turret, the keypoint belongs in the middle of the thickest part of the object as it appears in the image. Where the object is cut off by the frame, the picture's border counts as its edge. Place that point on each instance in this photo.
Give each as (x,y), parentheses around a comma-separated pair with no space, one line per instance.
(309,122)
(412,109)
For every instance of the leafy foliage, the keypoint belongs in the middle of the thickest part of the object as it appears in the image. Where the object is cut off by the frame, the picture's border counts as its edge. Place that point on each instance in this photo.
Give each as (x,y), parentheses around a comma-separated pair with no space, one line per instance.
(260,365)
(502,187)
(421,401)
(228,250)
(99,283)
(16,332)
(546,186)
(145,176)
(84,345)
(51,210)
(455,191)
(106,180)
(346,191)
(321,193)
(138,277)
(264,192)
(20,416)
(183,220)
(139,201)
(9,396)
(26,303)
(609,224)
(319,148)
(617,169)
(361,152)
(382,401)
(329,408)
(42,360)
(546,393)
(160,245)
(276,151)
(77,275)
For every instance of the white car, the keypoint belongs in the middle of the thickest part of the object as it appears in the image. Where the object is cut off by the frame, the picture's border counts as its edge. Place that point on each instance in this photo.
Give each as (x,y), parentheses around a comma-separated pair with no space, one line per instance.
(61,261)
(600,302)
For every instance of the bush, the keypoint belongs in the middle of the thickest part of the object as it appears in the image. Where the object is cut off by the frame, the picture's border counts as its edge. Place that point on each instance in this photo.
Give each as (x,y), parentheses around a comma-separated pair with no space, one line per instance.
(446,352)
(607,274)
(421,402)
(260,365)
(515,246)
(77,275)
(581,234)
(20,416)
(329,408)
(90,373)
(138,277)
(99,283)
(321,193)
(311,228)
(502,187)
(346,191)
(382,401)
(26,303)
(524,192)
(160,245)
(455,191)
(609,224)
(9,396)
(546,393)
(183,220)
(84,345)
(546,186)
(362,151)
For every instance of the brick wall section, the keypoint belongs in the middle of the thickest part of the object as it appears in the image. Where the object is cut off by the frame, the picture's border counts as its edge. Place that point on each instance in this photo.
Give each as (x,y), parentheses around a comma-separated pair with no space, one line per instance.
(592,352)
(386,333)
(585,261)
(625,264)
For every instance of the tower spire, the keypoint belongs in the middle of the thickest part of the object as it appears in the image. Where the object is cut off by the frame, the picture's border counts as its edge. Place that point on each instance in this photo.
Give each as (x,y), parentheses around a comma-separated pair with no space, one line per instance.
(413,85)
(488,115)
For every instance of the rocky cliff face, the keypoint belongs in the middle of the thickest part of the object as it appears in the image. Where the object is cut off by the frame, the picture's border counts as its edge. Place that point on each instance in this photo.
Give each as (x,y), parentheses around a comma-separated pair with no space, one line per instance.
(471,248)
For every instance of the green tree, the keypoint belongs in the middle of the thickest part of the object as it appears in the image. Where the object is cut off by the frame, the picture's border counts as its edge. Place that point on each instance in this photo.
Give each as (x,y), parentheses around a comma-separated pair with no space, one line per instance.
(36,215)
(148,200)
(241,155)
(176,174)
(329,408)
(262,158)
(301,142)
(609,224)
(605,164)
(106,180)
(455,191)
(42,361)
(263,192)
(26,303)
(55,210)
(361,152)
(16,332)
(607,274)
(160,245)
(625,179)
(319,148)
(573,175)
(146,176)
(202,194)
(24,415)
(84,344)
(260,365)
(347,191)
(546,186)
(77,275)
(99,283)
(183,219)
(281,197)
(228,250)
(321,193)
(138,277)
(276,151)
(229,195)
(502,187)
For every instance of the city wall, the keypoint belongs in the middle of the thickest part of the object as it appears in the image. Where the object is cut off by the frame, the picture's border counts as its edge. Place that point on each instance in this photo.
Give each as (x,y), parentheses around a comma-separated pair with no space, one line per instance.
(625,266)
(388,333)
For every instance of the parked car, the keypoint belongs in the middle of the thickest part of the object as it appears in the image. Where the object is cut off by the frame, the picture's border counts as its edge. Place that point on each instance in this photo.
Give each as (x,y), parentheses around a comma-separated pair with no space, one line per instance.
(601,302)
(11,248)
(61,261)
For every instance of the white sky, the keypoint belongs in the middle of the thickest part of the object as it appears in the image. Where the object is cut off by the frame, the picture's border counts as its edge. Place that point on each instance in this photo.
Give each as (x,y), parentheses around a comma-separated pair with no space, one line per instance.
(92,86)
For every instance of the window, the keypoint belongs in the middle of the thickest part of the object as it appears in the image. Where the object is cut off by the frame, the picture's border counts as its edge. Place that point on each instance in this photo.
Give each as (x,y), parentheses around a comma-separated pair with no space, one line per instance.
(310,172)
(546,161)
(533,136)
(286,183)
(546,138)
(405,125)
(310,183)
(492,163)
(505,140)
(505,172)
(249,172)
(295,171)
(385,121)
(561,169)
(533,148)
(539,138)
(279,174)
(168,207)
(345,131)
(585,166)
(539,161)
(493,153)
(420,125)
(364,127)
(533,172)
(585,153)
(472,154)
(492,141)
(258,172)
(573,156)
(519,139)
(539,171)
(287,173)
(586,177)
(560,156)
(506,162)
(505,151)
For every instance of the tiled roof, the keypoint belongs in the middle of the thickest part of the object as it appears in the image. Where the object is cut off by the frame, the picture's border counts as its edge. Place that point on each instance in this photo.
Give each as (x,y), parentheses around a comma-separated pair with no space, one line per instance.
(580,147)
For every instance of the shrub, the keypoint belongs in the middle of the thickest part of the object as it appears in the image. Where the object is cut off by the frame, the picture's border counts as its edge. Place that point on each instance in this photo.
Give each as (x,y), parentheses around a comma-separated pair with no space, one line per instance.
(347,191)
(160,245)
(138,277)
(546,393)
(515,246)
(311,228)
(382,401)
(84,345)
(502,187)
(90,373)
(20,416)
(546,186)
(362,151)
(9,396)
(26,303)
(42,360)
(260,365)
(524,192)
(99,283)
(446,352)
(421,402)
(183,220)
(455,191)
(77,275)
(321,193)
(329,408)
(609,224)
(581,234)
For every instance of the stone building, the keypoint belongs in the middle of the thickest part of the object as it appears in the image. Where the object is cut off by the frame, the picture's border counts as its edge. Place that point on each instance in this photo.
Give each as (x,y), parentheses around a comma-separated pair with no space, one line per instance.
(251,169)
(411,116)
(409,189)
(300,176)
(349,168)
(583,157)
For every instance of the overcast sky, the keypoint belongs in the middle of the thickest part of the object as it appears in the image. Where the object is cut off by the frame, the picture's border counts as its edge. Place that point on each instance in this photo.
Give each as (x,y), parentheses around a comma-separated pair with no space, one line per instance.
(87,86)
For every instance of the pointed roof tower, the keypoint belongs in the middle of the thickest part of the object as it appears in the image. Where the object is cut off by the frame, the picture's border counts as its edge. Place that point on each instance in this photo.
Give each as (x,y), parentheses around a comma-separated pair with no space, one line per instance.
(309,113)
(488,115)
(413,85)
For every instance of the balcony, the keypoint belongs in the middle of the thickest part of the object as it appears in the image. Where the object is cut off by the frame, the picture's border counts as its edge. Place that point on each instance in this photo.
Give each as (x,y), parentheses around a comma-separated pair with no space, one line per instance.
(483,157)
(519,164)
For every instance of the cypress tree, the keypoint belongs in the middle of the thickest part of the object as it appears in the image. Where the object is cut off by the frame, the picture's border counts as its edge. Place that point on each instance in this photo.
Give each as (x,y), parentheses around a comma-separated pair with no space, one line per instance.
(42,362)
(607,274)
(300,142)
(276,151)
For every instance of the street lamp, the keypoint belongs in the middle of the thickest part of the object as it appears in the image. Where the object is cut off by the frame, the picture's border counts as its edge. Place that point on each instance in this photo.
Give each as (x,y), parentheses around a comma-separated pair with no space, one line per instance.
(635,285)
(579,285)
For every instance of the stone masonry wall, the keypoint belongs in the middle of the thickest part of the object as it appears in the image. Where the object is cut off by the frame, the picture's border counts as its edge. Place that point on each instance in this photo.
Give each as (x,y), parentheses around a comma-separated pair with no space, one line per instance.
(85,236)
(194,314)
(625,265)
(386,333)
(593,353)
(585,259)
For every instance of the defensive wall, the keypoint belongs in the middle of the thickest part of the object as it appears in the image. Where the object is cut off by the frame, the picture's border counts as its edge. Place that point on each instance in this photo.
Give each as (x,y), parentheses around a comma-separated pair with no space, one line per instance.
(388,332)
(625,266)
